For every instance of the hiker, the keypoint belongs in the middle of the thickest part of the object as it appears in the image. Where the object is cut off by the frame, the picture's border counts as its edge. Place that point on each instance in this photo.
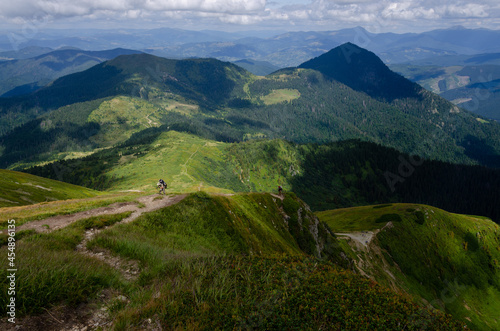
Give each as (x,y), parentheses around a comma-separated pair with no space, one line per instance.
(280,190)
(162,185)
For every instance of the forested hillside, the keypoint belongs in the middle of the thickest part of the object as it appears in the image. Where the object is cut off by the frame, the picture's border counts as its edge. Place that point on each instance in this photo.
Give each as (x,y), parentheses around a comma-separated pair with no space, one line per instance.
(221,101)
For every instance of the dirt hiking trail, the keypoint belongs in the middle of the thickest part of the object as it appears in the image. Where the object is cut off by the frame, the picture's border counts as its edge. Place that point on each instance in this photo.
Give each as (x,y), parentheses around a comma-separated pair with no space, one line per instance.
(94,315)
(142,205)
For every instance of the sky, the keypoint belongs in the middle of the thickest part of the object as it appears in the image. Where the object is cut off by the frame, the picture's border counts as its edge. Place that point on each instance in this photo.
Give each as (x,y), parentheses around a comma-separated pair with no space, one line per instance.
(238,15)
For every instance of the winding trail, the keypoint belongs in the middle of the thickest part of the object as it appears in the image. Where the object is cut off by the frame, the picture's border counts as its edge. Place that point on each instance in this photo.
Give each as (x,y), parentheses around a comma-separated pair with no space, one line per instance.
(149,202)
(363,237)
(128,268)
(86,316)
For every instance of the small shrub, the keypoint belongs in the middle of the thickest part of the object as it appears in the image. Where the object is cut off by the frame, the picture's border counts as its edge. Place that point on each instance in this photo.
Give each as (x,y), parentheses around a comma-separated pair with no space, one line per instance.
(202,195)
(388,258)
(420,217)
(472,242)
(389,218)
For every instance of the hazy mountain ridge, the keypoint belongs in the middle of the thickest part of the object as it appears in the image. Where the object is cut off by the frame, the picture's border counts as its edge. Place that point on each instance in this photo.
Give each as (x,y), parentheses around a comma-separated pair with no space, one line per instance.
(25,53)
(280,49)
(42,69)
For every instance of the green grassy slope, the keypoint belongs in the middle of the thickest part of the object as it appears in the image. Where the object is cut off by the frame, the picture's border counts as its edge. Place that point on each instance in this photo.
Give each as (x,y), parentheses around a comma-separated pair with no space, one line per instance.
(450,260)
(187,163)
(214,262)
(203,224)
(182,160)
(20,189)
(327,176)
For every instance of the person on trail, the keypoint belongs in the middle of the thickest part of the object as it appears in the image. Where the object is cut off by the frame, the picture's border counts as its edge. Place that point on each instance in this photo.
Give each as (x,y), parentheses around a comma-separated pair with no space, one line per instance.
(280,190)
(161,185)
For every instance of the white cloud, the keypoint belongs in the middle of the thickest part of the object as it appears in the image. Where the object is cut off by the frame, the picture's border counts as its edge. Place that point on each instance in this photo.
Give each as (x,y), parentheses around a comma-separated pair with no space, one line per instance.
(307,13)
(408,11)
(55,8)
(241,19)
(465,10)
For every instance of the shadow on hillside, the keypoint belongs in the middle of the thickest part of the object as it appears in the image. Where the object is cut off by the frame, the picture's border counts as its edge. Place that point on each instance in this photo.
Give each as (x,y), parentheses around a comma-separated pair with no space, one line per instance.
(28,142)
(481,151)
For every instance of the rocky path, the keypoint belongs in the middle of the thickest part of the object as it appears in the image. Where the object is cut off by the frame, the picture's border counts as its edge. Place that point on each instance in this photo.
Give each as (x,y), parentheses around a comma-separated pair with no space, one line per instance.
(94,315)
(363,238)
(142,205)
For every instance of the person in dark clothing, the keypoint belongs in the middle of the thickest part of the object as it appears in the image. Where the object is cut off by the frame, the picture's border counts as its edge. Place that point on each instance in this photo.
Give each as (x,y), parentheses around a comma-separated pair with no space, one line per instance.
(161,186)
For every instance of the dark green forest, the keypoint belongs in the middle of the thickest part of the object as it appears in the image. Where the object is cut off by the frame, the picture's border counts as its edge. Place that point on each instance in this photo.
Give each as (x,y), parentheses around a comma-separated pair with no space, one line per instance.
(355,173)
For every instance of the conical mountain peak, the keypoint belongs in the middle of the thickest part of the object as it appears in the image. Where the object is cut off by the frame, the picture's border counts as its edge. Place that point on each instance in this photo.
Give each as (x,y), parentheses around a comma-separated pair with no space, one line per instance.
(363,71)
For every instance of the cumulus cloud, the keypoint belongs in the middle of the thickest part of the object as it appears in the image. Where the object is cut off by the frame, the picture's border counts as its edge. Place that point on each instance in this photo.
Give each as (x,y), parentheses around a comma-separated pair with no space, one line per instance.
(56,8)
(465,10)
(408,11)
(402,13)
(334,13)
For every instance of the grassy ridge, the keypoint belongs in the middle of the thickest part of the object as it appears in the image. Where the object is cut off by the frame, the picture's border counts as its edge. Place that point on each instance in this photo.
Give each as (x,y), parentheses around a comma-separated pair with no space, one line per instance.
(201,224)
(208,262)
(175,157)
(450,260)
(20,189)
(184,287)
(190,163)
(364,218)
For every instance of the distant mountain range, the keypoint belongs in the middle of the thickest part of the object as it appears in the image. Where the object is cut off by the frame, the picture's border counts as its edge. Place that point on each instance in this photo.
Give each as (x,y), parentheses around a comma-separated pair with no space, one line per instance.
(262,53)
(25,53)
(280,49)
(469,81)
(22,76)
